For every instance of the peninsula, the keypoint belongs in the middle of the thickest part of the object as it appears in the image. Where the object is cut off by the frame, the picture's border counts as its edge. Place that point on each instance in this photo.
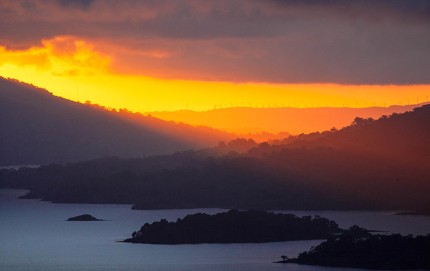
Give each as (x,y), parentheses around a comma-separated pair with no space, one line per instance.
(393,252)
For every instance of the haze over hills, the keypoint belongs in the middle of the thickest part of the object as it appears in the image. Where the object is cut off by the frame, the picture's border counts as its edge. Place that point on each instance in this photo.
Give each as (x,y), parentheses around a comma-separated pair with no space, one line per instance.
(329,170)
(244,120)
(38,127)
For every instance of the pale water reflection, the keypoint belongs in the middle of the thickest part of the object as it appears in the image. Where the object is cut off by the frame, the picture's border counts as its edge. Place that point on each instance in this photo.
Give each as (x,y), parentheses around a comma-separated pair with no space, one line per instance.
(35,236)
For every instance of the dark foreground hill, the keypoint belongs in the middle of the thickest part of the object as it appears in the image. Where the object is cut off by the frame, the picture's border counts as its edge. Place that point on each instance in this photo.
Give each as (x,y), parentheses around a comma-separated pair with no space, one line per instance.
(377,164)
(235,227)
(39,128)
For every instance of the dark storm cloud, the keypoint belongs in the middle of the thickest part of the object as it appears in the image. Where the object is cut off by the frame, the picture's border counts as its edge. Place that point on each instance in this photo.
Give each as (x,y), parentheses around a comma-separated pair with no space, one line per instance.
(82,4)
(201,19)
(399,9)
(357,42)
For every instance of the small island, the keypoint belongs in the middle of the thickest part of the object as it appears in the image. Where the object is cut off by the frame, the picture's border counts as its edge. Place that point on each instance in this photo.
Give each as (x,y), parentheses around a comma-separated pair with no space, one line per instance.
(84,217)
(393,252)
(235,227)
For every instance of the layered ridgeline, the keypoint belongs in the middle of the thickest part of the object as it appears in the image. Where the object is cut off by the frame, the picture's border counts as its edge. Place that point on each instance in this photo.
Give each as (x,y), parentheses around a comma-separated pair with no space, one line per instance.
(371,164)
(38,127)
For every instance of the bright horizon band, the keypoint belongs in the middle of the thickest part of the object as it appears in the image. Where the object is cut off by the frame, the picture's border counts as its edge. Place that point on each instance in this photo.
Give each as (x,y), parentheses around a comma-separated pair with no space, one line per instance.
(72,68)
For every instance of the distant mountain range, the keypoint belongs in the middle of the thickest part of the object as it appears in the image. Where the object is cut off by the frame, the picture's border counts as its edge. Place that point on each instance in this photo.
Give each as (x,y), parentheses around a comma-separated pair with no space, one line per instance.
(370,165)
(38,128)
(244,120)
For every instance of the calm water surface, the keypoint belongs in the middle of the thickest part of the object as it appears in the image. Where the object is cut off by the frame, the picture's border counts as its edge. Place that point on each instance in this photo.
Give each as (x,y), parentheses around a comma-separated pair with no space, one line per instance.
(35,236)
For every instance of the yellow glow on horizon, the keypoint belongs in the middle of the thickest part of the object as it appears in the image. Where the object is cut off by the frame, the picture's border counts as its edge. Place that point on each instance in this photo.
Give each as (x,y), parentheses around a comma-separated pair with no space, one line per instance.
(73,69)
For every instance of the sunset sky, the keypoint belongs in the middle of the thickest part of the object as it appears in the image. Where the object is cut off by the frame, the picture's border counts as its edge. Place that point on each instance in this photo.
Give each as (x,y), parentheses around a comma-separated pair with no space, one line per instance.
(169,55)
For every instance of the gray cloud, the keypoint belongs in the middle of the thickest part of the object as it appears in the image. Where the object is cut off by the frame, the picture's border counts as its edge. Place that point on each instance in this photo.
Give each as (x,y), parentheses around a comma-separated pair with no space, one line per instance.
(394,9)
(82,4)
(350,42)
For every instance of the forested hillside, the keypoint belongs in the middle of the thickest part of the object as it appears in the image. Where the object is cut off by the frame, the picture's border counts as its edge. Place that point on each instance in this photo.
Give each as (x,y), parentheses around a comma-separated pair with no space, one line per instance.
(372,164)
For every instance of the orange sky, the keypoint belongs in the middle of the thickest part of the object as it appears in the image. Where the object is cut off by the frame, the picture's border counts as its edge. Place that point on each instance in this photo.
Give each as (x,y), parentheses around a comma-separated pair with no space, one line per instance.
(84,70)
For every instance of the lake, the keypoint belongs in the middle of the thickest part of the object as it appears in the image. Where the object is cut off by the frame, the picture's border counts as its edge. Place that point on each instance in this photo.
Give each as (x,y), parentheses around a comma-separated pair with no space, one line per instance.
(35,237)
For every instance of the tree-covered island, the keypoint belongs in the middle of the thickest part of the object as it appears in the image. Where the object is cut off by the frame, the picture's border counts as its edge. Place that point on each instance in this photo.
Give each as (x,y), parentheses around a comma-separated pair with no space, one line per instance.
(235,227)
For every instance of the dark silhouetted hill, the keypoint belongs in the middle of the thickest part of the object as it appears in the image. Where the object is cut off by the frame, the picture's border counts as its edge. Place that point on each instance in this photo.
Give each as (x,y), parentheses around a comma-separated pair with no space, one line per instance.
(39,128)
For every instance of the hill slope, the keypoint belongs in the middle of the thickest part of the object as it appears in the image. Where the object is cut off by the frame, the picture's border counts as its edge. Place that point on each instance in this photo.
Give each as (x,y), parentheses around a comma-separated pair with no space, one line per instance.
(38,128)
(404,137)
